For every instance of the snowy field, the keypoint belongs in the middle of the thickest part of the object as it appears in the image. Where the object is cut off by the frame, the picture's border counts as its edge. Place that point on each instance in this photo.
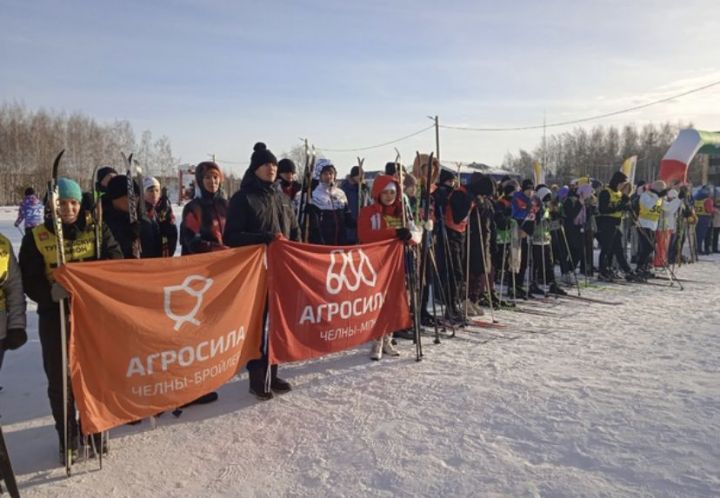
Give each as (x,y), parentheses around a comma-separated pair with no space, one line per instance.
(584,400)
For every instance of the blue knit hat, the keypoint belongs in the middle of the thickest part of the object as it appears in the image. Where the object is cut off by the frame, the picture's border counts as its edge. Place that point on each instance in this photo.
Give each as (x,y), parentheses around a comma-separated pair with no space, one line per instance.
(69,189)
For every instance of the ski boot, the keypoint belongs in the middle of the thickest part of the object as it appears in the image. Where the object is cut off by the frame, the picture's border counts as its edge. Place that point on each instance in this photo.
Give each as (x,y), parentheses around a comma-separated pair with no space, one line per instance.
(554,289)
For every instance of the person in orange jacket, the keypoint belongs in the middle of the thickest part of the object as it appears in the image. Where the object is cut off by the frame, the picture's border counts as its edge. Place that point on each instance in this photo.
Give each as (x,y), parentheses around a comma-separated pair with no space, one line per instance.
(383,220)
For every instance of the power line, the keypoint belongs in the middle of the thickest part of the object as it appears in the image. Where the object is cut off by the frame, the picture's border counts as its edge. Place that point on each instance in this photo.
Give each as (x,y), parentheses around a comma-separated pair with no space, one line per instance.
(590,118)
(384,144)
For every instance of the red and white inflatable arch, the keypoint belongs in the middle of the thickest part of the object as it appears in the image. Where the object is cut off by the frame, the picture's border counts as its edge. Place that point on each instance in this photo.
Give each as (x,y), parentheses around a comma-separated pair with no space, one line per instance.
(674,164)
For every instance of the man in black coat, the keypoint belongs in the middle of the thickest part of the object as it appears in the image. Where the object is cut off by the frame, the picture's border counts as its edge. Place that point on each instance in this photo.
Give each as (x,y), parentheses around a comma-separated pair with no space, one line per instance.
(258,214)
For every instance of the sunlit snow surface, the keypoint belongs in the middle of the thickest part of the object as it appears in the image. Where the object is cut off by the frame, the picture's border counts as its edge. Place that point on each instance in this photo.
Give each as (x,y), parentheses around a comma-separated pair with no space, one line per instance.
(594,400)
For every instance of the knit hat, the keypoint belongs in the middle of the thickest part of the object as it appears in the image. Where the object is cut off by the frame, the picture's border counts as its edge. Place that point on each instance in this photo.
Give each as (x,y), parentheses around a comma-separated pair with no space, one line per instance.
(354,171)
(69,189)
(29,191)
(260,156)
(527,184)
(445,175)
(409,181)
(563,193)
(510,187)
(390,187)
(149,182)
(480,184)
(390,168)
(659,186)
(328,167)
(118,187)
(320,165)
(103,172)
(286,166)
(543,192)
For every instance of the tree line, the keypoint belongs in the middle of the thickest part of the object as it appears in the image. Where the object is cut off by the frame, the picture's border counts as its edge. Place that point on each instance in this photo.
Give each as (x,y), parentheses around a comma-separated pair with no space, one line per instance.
(30,140)
(600,151)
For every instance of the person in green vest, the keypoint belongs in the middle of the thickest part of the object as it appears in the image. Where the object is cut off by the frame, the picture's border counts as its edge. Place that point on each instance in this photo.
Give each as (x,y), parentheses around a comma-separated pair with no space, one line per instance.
(12,301)
(38,259)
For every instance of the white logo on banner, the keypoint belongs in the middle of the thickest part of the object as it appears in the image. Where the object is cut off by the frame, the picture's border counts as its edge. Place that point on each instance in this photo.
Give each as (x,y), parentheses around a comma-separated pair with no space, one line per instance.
(349,275)
(185,287)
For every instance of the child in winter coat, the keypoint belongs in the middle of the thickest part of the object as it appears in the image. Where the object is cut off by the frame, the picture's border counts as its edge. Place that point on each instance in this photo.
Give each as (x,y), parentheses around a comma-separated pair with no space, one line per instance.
(143,236)
(382,220)
(38,258)
(203,218)
(31,210)
(12,300)
(329,211)
(159,210)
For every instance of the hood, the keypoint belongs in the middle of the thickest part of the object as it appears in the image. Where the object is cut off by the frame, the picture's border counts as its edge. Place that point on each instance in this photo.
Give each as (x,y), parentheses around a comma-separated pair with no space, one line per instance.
(380,183)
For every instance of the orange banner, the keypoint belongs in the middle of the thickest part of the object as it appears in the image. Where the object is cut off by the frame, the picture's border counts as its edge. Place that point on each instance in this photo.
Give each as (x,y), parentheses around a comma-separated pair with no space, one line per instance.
(151,335)
(325,299)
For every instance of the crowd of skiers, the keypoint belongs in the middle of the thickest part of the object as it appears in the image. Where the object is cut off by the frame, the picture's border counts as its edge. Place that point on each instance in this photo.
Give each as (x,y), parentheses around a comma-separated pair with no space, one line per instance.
(482,238)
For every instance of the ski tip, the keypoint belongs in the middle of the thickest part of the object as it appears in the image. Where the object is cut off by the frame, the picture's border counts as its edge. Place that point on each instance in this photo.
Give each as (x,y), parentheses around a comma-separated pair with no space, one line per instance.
(56,163)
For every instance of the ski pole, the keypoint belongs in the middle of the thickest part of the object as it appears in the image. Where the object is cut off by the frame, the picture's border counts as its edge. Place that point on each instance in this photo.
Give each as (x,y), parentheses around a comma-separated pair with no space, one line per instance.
(569,257)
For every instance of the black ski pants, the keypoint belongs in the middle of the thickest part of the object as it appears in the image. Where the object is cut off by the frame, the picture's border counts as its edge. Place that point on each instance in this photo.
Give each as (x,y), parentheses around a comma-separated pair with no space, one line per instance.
(646,246)
(611,244)
(49,331)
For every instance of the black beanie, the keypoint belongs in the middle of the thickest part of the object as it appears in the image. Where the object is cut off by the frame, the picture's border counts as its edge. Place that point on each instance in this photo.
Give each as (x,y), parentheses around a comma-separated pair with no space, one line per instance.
(485,185)
(510,187)
(102,173)
(354,171)
(118,187)
(390,168)
(261,156)
(527,184)
(29,191)
(445,175)
(286,166)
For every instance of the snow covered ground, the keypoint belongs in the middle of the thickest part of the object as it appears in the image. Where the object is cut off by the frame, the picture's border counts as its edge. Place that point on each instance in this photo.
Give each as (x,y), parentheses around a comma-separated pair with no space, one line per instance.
(587,400)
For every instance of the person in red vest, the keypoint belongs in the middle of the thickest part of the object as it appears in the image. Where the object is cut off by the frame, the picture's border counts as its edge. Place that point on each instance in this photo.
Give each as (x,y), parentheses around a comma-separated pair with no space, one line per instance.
(452,207)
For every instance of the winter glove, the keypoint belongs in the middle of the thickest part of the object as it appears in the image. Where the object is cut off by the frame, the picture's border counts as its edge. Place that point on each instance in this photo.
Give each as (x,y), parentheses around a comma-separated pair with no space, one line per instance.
(17,223)
(14,339)
(58,292)
(682,194)
(133,231)
(428,225)
(265,237)
(403,234)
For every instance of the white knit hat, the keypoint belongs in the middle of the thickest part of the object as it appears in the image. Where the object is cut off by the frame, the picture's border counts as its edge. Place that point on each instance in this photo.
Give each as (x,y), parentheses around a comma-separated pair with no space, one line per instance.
(150,181)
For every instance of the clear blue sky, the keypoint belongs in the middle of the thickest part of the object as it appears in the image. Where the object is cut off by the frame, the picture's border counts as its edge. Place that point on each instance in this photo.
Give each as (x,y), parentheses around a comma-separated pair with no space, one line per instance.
(217,76)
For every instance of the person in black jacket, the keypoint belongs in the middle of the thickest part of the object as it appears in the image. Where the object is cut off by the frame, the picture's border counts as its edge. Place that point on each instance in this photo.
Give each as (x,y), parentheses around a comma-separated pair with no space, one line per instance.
(37,260)
(259,213)
(452,207)
(158,209)
(117,217)
(612,204)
